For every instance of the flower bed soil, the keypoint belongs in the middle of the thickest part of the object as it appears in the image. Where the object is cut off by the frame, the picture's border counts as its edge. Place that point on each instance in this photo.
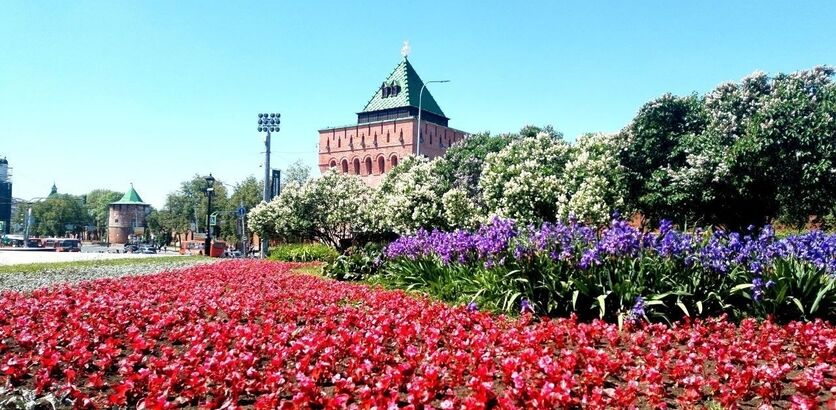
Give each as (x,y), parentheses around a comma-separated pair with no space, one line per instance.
(251,334)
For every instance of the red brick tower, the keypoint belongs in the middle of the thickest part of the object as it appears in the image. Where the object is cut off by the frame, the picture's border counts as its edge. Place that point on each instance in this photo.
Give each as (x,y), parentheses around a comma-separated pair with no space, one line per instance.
(387,129)
(126,216)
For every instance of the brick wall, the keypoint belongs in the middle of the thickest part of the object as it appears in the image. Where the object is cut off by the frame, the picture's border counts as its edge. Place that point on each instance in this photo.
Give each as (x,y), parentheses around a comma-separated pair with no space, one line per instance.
(370,150)
(120,223)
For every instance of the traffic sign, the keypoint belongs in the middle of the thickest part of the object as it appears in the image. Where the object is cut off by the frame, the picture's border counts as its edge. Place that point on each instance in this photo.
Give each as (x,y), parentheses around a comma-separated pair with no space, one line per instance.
(213,220)
(241,211)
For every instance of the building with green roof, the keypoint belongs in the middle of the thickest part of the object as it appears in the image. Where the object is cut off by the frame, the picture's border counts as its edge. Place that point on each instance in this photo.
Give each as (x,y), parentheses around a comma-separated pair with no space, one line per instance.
(387,128)
(126,219)
(399,97)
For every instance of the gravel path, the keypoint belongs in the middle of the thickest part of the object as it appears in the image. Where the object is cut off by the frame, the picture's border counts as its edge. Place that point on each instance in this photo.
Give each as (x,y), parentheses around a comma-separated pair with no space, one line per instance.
(28,281)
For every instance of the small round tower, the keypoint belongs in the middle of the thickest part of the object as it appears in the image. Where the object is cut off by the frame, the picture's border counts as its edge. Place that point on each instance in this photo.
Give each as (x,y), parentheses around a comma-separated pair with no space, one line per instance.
(126,215)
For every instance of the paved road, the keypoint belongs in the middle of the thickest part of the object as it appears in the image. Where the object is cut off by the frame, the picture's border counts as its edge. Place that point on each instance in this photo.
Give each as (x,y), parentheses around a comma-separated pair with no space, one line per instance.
(16,257)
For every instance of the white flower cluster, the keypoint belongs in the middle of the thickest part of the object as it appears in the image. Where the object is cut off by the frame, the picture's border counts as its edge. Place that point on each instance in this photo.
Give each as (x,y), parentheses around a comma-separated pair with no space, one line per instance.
(408,198)
(593,180)
(523,181)
(329,209)
(460,211)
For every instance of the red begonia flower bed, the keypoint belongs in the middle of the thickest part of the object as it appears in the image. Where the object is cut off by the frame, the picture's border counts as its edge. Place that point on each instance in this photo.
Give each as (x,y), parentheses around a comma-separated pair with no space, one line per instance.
(251,334)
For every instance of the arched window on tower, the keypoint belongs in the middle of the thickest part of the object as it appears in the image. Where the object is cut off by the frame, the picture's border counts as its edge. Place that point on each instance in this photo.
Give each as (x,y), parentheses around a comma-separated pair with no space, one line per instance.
(356,166)
(333,164)
(393,161)
(345,166)
(381,165)
(368,170)
(387,137)
(339,142)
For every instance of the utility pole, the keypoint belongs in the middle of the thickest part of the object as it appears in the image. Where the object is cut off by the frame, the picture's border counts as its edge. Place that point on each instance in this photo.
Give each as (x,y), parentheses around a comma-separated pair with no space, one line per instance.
(267,123)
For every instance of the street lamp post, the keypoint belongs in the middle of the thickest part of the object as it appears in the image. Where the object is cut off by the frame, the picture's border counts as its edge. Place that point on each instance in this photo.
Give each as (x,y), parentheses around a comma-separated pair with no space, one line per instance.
(27,222)
(210,191)
(420,101)
(267,123)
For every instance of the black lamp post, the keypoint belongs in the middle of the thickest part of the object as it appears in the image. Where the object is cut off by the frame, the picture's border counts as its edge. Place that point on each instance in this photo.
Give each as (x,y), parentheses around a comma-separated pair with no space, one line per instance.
(210,190)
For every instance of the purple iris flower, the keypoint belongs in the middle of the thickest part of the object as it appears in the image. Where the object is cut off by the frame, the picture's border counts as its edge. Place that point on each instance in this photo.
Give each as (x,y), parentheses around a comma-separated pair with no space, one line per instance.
(638,309)
(525,306)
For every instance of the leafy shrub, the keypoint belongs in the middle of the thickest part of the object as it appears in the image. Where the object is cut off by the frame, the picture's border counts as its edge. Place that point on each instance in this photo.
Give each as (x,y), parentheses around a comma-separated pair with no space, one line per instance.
(304,252)
(357,263)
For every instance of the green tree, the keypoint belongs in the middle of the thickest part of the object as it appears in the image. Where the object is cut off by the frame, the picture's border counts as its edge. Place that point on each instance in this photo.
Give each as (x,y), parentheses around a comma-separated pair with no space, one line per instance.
(187,205)
(655,143)
(58,215)
(461,166)
(161,225)
(297,172)
(97,205)
(783,152)
(247,193)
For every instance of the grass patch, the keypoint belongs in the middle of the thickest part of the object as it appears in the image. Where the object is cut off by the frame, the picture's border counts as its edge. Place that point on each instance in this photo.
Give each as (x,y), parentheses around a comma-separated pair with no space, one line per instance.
(314,268)
(304,252)
(38,267)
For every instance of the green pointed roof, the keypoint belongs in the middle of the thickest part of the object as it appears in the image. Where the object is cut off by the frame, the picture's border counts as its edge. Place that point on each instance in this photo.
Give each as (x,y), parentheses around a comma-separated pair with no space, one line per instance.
(404,75)
(130,198)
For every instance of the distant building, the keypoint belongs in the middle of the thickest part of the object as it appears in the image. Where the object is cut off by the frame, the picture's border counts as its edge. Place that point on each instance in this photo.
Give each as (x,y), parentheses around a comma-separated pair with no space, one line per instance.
(127,217)
(387,129)
(5,197)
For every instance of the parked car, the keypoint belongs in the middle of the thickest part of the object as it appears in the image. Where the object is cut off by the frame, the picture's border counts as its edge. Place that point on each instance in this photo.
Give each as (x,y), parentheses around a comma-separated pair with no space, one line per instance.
(147,249)
(68,245)
(196,248)
(130,248)
(235,253)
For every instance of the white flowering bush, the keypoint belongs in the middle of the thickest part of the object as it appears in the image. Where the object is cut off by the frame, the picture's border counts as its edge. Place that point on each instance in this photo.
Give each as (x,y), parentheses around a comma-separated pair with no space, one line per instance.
(771,143)
(523,180)
(408,198)
(330,209)
(593,183)
(460,211)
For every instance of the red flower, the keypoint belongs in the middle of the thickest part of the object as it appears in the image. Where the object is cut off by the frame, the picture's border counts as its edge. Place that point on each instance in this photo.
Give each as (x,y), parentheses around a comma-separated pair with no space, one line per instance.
(246,333)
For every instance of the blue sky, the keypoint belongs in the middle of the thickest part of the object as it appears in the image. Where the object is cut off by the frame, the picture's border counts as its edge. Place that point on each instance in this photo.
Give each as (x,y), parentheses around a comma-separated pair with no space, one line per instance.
(99,94)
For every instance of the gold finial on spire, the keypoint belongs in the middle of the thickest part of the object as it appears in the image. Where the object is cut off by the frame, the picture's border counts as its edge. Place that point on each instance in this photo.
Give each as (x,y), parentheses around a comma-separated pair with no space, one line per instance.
(405,49)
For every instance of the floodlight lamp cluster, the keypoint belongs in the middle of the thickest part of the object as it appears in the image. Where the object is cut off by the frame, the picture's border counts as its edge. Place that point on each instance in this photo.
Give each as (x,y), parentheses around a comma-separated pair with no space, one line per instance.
(269,122)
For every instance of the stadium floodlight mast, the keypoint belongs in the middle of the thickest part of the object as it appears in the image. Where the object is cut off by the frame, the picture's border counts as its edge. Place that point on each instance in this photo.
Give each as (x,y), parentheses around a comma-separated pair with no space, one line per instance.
(267,123)
(420,95)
